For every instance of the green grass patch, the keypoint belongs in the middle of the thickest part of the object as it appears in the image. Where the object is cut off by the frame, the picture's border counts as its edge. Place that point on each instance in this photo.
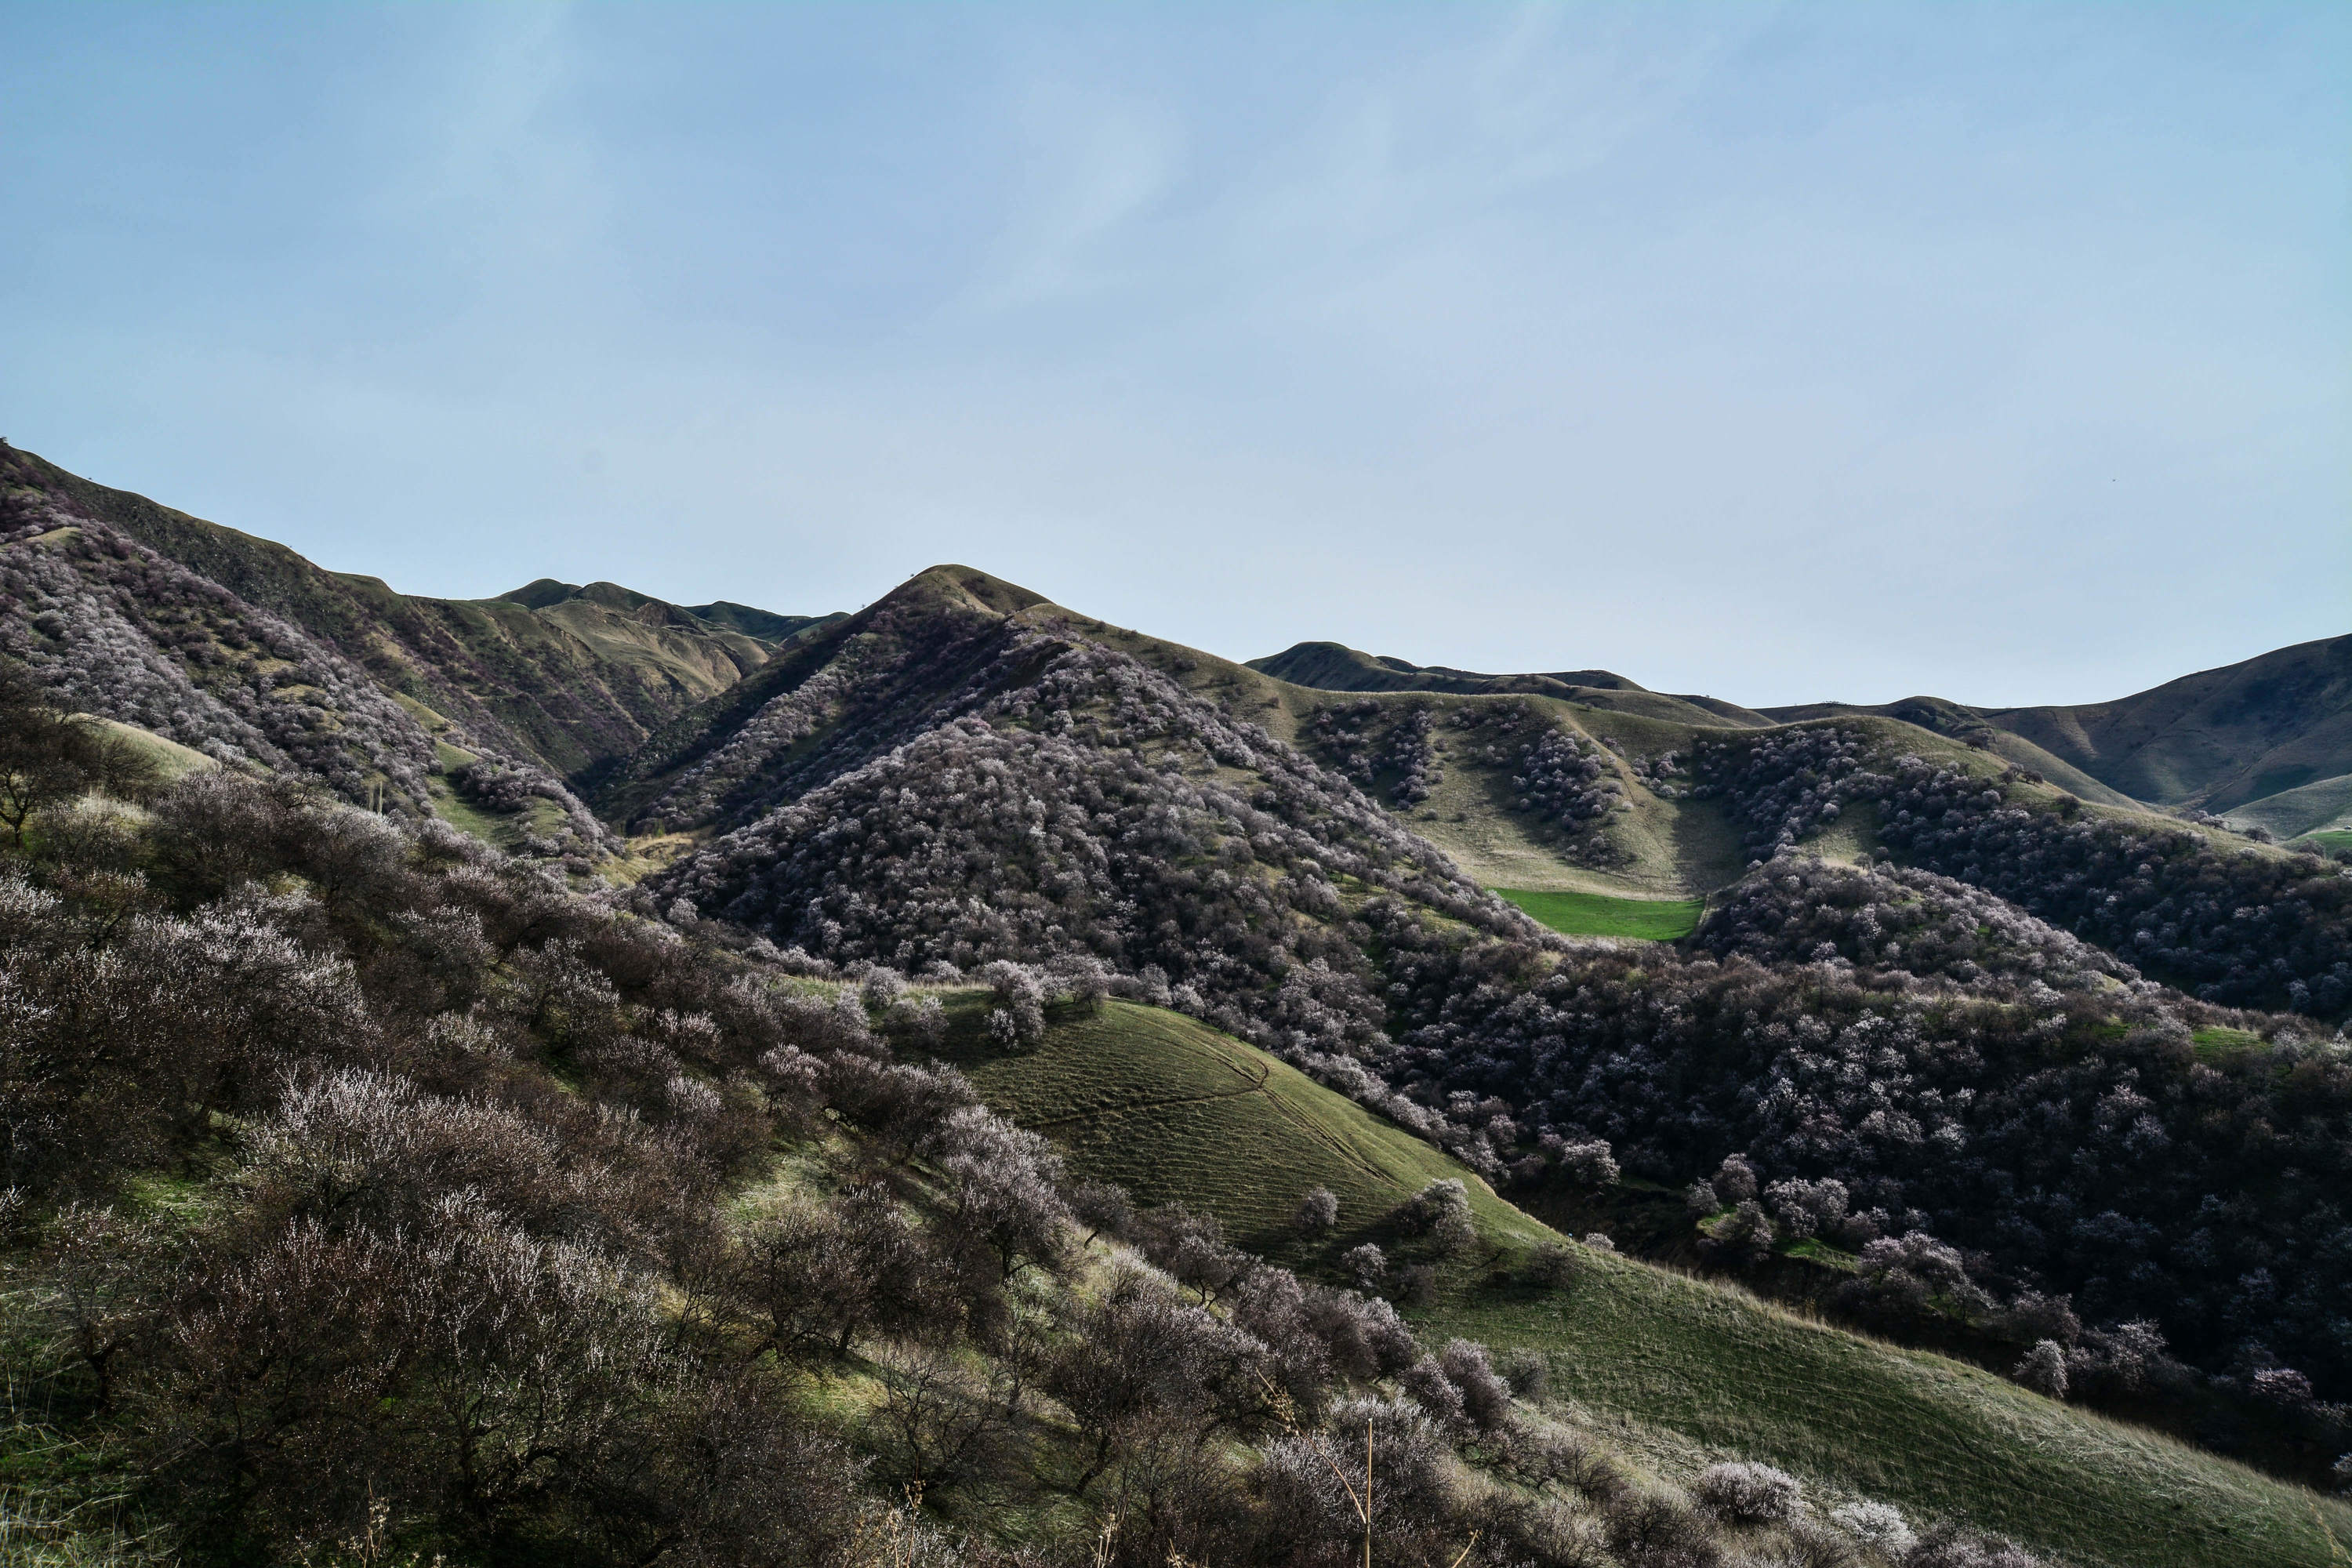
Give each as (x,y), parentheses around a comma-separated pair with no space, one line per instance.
(2215,1045)
(1814,1250)
(2329,839)
(1599,914)
(1678,1371)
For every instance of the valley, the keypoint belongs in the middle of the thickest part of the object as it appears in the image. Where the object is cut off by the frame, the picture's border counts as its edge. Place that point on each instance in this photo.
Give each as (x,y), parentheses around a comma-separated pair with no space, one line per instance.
(1971,1084)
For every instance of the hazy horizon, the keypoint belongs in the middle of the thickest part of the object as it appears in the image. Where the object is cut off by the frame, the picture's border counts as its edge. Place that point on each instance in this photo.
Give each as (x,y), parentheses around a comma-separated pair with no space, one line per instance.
(1778,354)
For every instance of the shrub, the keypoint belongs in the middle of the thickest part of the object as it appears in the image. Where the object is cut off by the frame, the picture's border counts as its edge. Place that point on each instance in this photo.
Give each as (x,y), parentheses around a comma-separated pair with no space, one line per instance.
(2043,1370)
(1878,1525)
(1528,1372)
(1746,1494)
(1316,1214)
(1551,1266)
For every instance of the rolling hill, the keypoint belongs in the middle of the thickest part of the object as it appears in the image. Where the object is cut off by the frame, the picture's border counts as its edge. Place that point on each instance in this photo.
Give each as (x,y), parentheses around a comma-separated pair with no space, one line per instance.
(1911,960)
(1684,1370)
(1331,666)
(2265,743)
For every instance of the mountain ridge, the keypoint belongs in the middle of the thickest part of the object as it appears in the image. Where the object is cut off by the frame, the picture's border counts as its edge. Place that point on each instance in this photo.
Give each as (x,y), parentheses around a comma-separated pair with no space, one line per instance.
(2237,741)
(565,689)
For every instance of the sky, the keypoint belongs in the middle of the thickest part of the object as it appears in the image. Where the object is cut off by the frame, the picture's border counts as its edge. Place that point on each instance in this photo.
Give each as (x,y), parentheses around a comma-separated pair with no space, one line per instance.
(1782,353)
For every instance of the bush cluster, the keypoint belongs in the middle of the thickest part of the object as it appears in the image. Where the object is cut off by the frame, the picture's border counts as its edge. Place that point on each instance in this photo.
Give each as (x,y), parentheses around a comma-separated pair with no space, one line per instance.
(2236,925)
(473,1249)
(2068,1141)
(1565,780)
(1365,739)
(1889,920)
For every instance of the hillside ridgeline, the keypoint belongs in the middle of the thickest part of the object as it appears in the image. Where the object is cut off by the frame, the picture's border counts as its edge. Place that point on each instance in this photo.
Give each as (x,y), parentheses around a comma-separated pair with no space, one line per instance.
(557,678)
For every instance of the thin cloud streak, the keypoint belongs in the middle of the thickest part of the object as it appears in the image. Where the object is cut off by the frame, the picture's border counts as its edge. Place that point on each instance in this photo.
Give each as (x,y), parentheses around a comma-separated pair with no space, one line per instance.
(1780,353)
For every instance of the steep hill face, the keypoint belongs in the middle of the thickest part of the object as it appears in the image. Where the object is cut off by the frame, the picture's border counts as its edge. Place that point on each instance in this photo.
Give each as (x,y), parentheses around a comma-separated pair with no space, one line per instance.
(559,677)
(107,626)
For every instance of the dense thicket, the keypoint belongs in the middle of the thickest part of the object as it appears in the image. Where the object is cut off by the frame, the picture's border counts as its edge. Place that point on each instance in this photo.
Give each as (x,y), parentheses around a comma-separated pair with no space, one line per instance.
(367,1187)
(2074,1140)
(2240,926)
(1895,921)
(918,657)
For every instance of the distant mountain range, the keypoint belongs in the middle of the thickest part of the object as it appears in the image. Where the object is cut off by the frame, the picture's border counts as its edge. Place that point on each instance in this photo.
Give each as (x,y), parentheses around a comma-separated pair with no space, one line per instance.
(2266,742)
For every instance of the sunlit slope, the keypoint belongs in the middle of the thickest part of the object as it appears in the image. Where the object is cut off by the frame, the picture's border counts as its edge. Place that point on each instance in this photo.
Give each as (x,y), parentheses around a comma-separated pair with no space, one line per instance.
(1598,914)
(1688,1371)
(1174,1110)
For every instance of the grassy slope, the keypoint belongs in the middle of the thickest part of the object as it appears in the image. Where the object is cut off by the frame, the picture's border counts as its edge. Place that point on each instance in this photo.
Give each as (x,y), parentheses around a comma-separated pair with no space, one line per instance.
(1172,1110)
(2309,808)
(172,759)
(1684,1370)
(1599,914)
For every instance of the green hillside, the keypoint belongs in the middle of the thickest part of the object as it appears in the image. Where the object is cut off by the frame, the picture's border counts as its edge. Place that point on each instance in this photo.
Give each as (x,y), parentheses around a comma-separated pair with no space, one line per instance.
(1681,1369)
(1176,1111)
(2311,808)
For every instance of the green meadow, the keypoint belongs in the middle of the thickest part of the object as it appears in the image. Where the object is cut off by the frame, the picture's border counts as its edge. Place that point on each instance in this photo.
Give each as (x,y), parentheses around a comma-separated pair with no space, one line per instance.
(1599,914)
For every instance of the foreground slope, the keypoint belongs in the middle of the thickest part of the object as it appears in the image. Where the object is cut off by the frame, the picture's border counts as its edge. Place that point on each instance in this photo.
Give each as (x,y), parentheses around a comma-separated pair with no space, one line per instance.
(423,1208)
(1694,1370)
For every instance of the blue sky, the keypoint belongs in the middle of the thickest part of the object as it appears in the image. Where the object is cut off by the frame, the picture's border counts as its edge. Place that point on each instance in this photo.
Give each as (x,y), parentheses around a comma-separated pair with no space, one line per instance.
(1777,351)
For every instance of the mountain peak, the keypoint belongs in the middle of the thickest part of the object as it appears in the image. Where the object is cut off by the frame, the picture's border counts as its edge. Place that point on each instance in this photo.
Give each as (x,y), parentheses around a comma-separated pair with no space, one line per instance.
(968,587)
